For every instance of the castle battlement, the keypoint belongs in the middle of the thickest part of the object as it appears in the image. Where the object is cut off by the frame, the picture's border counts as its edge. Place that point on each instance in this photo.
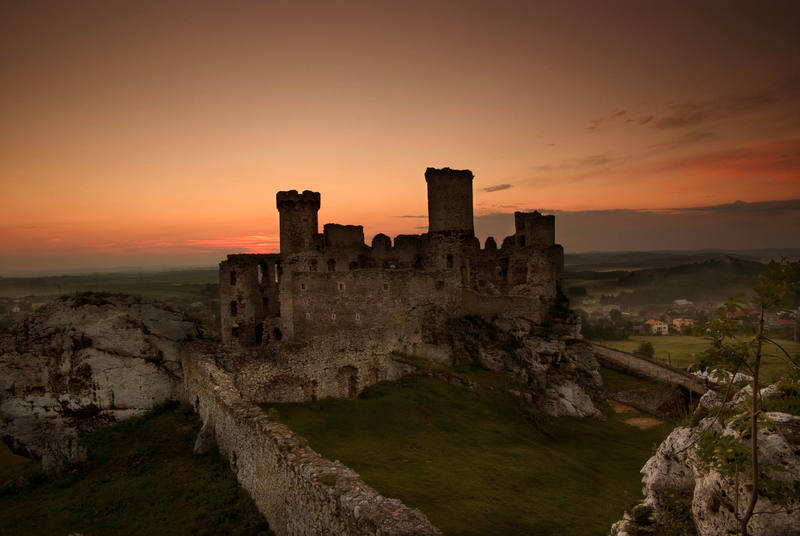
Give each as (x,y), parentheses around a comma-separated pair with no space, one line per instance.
(332,282)
(291,198)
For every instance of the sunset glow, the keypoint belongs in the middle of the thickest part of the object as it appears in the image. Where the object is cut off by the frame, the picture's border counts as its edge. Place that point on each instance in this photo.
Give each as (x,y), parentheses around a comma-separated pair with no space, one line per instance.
(157,133)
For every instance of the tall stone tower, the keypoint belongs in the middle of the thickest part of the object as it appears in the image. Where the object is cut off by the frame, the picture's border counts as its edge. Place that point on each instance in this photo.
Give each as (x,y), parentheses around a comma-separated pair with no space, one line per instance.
(298,220)
(450,200)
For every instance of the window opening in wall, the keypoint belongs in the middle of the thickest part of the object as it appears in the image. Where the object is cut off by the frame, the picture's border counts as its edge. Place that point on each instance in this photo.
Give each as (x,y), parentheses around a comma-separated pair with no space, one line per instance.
(277,272)
(260,273)
(235,332)
(259,333)
(449,261)
(308,316)
(331,265)
(233,277)
(277,333)
(234,308)
(353,265)
(386,286)
(358,317)
(265,304)
(341,286)
(439,285)
(522,240)
(303,286)
(312,266)
(333,317)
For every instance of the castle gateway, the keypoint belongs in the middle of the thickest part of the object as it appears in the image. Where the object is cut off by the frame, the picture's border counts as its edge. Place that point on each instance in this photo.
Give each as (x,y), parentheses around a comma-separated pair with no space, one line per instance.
(328,283)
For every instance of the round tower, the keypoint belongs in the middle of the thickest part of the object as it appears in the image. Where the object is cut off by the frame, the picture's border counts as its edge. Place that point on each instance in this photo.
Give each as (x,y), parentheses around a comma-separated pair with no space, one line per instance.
(298,220)
(449,200)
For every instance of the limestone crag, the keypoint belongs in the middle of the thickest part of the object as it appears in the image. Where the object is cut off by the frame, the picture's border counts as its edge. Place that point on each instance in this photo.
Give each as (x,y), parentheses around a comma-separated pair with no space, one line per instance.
(681,490)
(558,374)
(82,361)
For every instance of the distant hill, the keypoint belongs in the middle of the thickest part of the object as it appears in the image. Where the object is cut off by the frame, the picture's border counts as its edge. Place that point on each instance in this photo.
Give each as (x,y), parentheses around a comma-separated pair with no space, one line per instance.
(637,260)
(712,280)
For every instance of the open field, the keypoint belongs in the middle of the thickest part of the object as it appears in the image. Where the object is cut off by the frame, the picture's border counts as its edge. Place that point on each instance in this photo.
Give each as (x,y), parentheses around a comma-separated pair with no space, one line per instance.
(680,351)
(160,285)
(478,462)
(141,478)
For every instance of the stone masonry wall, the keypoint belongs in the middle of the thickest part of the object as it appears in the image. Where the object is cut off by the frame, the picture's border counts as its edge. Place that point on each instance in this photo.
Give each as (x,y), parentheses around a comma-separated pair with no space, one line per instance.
(297,490)
(330,302)
(337,365)
(648,369)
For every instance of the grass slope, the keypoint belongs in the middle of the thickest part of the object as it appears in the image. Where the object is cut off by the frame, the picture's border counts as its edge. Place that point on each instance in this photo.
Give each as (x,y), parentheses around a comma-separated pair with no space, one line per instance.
(477,462)
(681,351)
(141,478)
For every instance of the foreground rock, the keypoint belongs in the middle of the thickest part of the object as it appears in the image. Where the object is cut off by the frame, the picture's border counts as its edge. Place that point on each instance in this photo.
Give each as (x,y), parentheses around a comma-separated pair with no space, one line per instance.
(82,361)
(555,372)
(683,492)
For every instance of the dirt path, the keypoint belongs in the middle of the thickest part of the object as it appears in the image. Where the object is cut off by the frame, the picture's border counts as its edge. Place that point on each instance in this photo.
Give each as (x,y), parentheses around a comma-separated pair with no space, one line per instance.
(642,423)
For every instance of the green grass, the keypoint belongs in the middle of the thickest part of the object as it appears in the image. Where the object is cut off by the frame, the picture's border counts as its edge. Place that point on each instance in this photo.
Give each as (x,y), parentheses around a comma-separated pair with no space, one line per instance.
(614,381)
(478,462)
(141,478)
(681,351)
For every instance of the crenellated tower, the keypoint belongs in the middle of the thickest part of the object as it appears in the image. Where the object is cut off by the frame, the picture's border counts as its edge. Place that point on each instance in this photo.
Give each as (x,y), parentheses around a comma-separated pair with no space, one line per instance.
(450,200)
(535,229)
(298,220)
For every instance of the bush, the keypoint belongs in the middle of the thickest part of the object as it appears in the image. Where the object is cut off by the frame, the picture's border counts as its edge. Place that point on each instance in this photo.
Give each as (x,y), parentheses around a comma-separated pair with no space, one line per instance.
(645,349)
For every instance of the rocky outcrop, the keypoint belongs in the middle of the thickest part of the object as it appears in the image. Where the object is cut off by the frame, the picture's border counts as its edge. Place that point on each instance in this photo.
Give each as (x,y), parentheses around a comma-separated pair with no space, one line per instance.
(558,374)
(82,361)
(685,486)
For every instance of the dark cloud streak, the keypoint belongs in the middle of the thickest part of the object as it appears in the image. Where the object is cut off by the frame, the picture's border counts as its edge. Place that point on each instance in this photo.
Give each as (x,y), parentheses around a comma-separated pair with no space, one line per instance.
(498,187)
(694,113)
(739,225)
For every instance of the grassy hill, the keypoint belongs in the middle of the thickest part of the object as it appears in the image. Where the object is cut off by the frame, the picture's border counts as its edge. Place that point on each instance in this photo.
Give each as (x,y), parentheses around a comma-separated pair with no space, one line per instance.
(709,281)
(479,462)
(141,478)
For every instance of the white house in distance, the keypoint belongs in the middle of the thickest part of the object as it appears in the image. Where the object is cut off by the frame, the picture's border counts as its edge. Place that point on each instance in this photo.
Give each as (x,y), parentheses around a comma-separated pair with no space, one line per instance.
(657,327)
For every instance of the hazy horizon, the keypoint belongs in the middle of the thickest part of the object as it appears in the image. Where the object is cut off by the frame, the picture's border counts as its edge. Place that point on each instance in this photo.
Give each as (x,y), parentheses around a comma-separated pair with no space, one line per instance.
(731,227)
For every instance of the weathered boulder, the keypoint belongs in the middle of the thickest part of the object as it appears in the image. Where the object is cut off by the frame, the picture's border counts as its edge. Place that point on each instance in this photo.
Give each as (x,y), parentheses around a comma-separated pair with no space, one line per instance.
(559,376)
(82,361)
(683,488)
(568,400)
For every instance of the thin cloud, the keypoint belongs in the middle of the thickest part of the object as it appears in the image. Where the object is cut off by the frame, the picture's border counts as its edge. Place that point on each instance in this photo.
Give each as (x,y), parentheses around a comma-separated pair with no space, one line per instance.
(580,163)
(779,159)
(693,113)
(422,216)
(498,187)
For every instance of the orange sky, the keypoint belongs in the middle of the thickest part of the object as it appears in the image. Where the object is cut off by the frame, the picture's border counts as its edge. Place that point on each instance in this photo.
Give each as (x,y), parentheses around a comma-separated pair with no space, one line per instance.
(158,132)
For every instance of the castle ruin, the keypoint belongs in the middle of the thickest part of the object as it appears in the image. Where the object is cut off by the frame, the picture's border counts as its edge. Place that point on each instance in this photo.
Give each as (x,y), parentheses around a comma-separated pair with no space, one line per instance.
(333,283)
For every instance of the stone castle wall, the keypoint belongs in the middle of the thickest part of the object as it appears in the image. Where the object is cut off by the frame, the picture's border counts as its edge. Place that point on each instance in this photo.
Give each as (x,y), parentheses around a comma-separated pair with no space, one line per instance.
(336,365)
(365,299)
(323,283)
(296,489)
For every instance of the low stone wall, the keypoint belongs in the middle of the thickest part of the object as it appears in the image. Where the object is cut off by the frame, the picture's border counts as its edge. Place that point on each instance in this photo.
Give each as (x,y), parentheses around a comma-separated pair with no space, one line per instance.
(297,490)
(648,369)
(336,365)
